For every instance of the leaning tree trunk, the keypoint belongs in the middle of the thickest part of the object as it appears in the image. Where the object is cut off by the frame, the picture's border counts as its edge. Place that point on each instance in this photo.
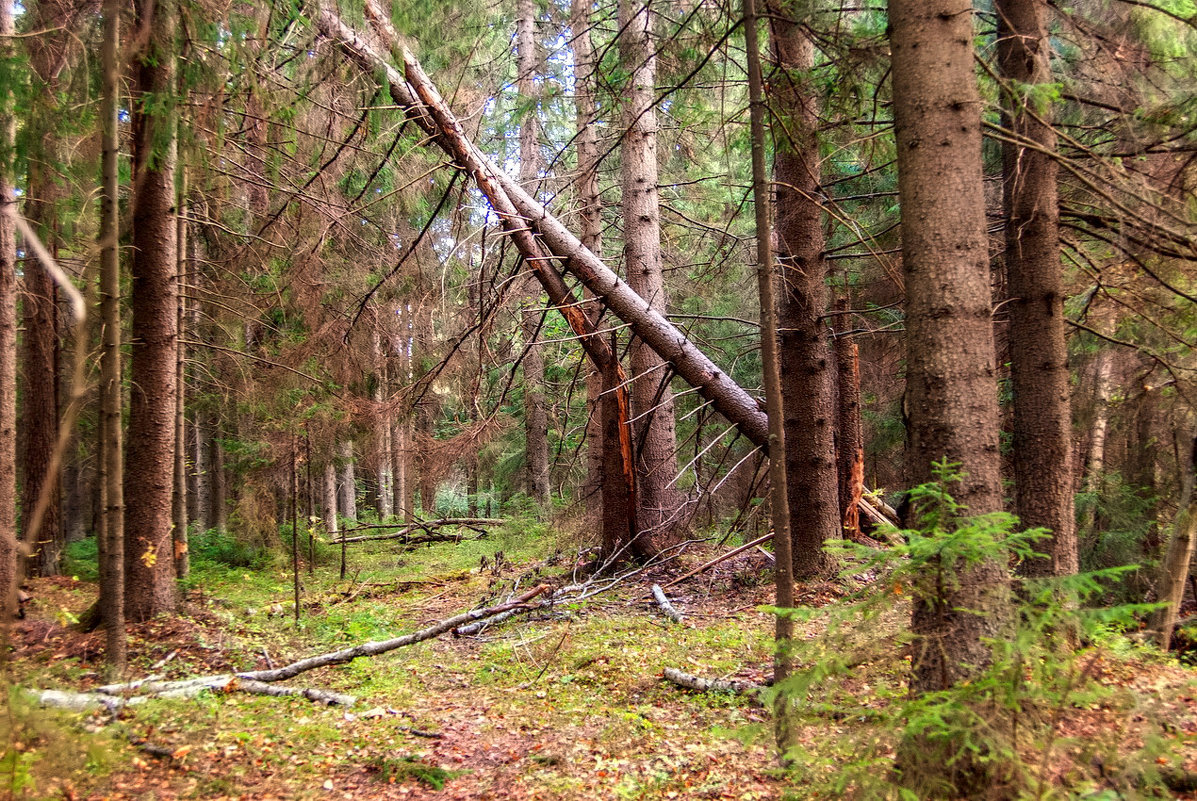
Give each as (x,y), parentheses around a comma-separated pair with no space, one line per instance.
(652,398)
(951,386)
(1042,453)
(149,569)
(8,333)
(111,533)
(536,419)
(807,368)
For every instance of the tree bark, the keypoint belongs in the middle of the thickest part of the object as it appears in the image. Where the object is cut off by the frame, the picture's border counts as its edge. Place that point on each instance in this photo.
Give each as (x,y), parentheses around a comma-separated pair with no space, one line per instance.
(149,571)
(1174,571)
(849,444)
(347,497)
(591,233)
(951,389)
(652,399)
(536,420)
(110,536)
(8,332)
(1095,459)
(382,430)
(807,371)
(1042,453)
(329,494)
(182,559)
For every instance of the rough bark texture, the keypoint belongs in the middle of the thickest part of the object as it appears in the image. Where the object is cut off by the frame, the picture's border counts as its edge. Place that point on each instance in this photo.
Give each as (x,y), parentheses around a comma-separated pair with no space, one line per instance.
(329,496)
(590,228)
(149,570)
(807,370)
(1095,459)
(536,420)
(652,399)
(8,335)
(347,496)
(382,431)
(110,537)
(849,444)
(1042,453)
(951,390)
(179,533)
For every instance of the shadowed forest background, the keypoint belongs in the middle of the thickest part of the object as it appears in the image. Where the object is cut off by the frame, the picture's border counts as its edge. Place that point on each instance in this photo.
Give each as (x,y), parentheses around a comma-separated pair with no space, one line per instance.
(637,399)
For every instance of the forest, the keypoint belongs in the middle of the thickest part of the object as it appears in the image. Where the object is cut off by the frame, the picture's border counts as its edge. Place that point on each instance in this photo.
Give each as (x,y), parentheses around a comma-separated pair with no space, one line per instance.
(574,399)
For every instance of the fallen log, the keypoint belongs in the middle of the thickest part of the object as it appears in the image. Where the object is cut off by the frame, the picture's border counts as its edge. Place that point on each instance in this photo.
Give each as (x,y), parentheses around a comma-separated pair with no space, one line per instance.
(405,534)
(107,698)
(692,682)
(666,607)
(428,525)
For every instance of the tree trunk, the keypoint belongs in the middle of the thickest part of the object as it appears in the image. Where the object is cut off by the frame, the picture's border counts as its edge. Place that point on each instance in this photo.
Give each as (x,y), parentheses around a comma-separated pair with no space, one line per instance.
(220,491)
(951,390)
(591,225)
(382,430)
(1095,459)
(1174,571)
(849,431)
(8,335)
(111,531)
(179,534)
(347,500)
(536,420)
(652,399)
(1042,452)
(807,371)
(149,569)
(329,505)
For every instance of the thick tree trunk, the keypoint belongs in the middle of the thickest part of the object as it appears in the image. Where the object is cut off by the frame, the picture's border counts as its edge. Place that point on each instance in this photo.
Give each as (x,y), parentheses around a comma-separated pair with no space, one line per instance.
(111,530)
(536,420)
(652,399)
(1038,355)
(849,444)
(807,370)
(951,390)
(149,569)
(347,496)
(8,334)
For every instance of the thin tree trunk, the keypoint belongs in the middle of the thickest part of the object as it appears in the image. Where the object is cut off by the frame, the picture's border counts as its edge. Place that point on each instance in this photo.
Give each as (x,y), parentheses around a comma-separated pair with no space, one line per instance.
(382,428)
(110,536)
(347,502)
(1042,453)
(850,432)
(652,399)
(591,225)
(807,370)
(774,398)
(1096,457)
(329,505)
(536,421)
(219,494)
(149,569)
(951,389)
(1174,571)
(8,335)
(182,559)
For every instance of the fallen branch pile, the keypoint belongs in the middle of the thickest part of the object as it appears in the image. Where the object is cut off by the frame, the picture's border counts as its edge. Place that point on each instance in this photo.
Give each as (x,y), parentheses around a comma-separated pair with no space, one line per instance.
(430,527)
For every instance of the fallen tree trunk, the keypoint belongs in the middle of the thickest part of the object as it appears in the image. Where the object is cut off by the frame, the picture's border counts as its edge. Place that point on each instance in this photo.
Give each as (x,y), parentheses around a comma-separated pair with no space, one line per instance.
(667,608)
(692,682)
(428,525)
(406,535)
(81,702)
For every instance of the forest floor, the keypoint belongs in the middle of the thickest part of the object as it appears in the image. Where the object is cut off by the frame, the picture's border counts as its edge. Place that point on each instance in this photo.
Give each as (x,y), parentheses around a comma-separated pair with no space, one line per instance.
(568,707)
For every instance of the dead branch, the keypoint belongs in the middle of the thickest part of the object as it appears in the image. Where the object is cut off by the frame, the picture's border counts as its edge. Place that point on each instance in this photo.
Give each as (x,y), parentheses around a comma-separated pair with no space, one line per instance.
(405,535)
(692,682)
(718,559)
(666,607)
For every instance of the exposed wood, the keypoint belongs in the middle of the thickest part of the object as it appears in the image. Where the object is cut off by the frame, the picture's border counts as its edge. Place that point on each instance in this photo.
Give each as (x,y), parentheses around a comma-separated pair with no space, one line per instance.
(692,682)
(667,608)
(227,683)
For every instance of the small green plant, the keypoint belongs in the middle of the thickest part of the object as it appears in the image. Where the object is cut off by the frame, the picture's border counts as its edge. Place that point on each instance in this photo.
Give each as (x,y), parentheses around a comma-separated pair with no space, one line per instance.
(1002,722)
(399,769)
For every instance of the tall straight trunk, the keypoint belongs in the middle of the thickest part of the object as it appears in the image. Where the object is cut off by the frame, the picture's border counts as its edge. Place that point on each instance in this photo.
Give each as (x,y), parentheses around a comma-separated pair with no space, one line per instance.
(807,369)
(8,332)
(347,499)
(1095,459)
(218,480)
(1174,570)
(849,445)
(1038,354)
(329,495)
(110,535)
(382,430)
(652,398)
(774,397)
(39,413)
(536,420)
(951,388)
(591,229)
(149,573)
(179,533)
